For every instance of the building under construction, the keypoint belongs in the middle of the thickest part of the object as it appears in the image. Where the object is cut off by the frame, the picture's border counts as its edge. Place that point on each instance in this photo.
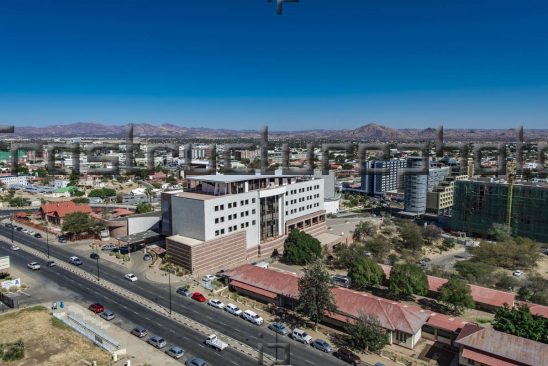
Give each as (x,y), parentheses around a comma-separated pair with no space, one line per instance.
(479,204)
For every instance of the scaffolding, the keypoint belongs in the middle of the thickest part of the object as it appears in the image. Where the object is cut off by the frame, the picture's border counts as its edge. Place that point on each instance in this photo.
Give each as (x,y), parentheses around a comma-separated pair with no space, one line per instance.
(478,205)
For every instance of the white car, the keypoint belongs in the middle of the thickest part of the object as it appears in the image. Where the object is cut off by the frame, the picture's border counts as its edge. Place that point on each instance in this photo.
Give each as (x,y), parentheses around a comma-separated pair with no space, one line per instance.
(517,273)
(208,278)
(216,303)
(31,233)
(252,317)
(25,231)
(300,336)
(233,309)
(15,247)
(130,277)
(33,265)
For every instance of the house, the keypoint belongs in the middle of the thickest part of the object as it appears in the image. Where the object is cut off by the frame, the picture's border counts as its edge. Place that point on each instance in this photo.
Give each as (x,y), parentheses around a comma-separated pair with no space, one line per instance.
(157,176)
(486,346)
(403,323)
(56,211)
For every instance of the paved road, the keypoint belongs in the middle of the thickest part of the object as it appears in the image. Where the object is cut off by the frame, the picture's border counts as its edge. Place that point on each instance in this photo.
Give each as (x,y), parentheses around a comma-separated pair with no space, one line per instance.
(132,313)
(220,321)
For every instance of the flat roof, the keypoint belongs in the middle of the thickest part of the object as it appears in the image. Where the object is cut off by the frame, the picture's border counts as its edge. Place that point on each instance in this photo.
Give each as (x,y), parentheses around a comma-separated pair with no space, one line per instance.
(184,240)
(221,178)
(198,195)
(139,237)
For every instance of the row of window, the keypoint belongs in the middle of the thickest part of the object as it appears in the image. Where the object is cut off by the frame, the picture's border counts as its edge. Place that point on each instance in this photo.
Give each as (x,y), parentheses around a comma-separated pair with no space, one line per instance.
(233,204)
(234,216)
(232,228)
(302,208)
(302,199)
(301,190)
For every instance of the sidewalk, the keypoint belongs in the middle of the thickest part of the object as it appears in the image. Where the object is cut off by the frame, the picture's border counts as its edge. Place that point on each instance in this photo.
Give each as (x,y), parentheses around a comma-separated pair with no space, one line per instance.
(135,349)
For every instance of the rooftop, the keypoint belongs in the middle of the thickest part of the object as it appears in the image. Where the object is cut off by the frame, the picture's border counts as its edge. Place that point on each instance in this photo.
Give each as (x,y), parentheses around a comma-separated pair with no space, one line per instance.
(185,240)
(221,178)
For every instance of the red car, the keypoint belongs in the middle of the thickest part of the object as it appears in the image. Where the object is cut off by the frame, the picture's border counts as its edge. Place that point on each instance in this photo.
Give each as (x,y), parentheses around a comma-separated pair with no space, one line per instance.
(198,297)
(96,308)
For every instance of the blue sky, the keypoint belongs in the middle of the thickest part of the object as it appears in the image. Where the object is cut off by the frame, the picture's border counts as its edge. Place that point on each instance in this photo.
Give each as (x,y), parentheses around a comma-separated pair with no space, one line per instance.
(236,64)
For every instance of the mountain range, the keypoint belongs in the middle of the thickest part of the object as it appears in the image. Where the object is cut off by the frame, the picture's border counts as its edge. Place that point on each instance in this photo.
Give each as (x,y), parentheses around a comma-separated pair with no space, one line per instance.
(368,132)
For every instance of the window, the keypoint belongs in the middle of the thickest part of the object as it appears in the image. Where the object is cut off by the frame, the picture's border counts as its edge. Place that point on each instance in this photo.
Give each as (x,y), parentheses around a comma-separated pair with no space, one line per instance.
(235,204)
(242,214)
(241,202)
(253,222)
(223,219)
(253,212)
(230,205)
(247,224)
(222,207)
(235,227)
(216,220)
(216,208)
(216,232)
(253,200)
(246,202)
(222,231)
(230,229)
(242,226)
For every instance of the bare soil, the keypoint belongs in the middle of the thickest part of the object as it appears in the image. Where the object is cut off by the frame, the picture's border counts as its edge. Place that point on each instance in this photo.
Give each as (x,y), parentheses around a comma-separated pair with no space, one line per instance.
(47,343)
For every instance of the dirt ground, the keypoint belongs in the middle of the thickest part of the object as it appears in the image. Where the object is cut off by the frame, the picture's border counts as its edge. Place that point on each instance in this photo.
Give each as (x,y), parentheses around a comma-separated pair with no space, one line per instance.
(45,343)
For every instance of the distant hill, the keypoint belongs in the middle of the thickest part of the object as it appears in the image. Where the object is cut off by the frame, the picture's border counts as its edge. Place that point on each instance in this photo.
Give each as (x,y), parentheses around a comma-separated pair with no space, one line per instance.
(367,132)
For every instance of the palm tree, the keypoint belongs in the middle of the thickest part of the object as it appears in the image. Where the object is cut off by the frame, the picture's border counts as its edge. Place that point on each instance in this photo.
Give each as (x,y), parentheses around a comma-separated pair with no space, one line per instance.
(149,193)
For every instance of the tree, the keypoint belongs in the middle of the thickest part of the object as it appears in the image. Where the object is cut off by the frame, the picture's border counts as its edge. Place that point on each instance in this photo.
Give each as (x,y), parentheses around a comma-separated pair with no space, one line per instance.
(535,290)
(506,282)
(102,193)
(143,207)
(301,248)
(447,244)
(431,233)
(344,255)
(80,222)
(76,193)
(378,246)
(80,200)
(19,202)
(149,192)
(362,230)
(411,236)
(520,322)
(74,178)
(315,296)
(171,179)
(456,294)
(366,333)
(500,232)
(365,273)
(407,280)
(476,272)
(515,253)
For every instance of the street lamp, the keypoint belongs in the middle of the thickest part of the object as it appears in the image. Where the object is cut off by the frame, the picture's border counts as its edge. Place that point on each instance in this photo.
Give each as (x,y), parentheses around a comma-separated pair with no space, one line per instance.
(97,259)
(168,266)
(47,237)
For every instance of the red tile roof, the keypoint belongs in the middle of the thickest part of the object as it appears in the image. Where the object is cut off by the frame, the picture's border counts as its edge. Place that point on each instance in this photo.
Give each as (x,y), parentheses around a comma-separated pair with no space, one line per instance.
(446,322)
(391,315)
(501,345)
(244,286)
(537,309)
(482,295)
(61,209)
(485,359)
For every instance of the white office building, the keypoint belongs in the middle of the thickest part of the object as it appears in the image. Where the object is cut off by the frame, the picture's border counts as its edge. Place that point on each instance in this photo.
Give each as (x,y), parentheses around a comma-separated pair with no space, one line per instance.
(222,220)
(9,180)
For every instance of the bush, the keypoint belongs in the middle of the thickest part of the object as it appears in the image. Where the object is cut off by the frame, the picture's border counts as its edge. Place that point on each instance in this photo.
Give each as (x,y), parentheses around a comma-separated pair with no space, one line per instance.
(512,254)
(13,289)
(12,351)
(301,248)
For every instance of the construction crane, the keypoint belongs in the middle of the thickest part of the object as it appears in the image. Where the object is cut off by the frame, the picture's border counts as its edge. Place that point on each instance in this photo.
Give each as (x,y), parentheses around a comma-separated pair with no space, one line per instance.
(511,173)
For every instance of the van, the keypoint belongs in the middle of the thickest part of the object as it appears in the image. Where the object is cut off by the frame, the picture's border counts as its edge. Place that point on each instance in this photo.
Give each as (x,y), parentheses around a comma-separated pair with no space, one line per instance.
(300,336)
(340,280)
(252,317)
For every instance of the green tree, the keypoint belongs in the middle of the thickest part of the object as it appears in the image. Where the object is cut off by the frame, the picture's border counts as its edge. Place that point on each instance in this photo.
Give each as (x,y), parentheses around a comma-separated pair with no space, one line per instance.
(431,233)
(344,255)
(411,236)
(315,296)
(407,280)
(506,282)
(301,248)
(515,253)
(80,200)
(362,230)
(535,290)
(19,202)
(520,322)
(365,273)
(366,333)
(456,294)
(476,272)
(80,222)
(149,192)
(143,207)
(77,193)
(171,179)
(379,247)
(500,232)
(102,193)
(74,178)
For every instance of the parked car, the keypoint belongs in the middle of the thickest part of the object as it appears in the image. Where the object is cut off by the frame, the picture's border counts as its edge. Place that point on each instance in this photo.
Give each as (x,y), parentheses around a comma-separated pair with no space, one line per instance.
(252,317)
(75,260)
(108,315)
(279,328)
(7,224)
(340,280)
(157,341)
(94,256)
(208,278)
(301,336)
(96,308)
(175,352)
(216,303)
(233,309)
(198,297)
(33,265)
(25,231)
(124,250)
(31,232)
(147,257)
(517,273)
(214,342)
(184,291)
(37,235)
(322,345)
(18,228)
(51,263)
(195,362)
(130,277)
(347,355)
(108,247)
(139,331)
(62,239)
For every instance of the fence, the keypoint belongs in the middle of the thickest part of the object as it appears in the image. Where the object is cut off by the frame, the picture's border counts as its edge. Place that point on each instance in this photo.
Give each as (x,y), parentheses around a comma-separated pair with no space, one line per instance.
(8,300)
(89,332)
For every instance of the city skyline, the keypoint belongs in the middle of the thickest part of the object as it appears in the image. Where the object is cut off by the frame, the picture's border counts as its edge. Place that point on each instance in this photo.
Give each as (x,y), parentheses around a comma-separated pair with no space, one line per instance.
(319,65)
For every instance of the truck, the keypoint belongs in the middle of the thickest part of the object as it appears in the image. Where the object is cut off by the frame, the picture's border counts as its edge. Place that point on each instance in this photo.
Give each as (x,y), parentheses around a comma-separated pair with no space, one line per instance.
(214,342)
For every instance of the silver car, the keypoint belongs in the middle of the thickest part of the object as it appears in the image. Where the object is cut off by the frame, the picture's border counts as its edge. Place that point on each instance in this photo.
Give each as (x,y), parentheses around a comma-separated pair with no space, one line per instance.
(175,352)
(107,315)
(157,341)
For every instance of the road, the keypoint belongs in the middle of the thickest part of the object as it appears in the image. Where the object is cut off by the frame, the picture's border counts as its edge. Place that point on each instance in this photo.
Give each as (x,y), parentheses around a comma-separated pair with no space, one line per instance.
(132,313)
(220,321)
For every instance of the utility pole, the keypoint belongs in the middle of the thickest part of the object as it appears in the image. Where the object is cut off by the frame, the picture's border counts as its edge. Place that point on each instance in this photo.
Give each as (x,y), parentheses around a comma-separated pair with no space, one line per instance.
(47,236)
(168,266)
(11,222)
(97,259)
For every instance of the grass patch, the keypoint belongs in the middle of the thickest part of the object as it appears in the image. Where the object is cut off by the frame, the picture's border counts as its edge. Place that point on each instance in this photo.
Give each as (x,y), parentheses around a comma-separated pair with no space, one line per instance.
(12,351)
(483,320)
(59,323)
(35,308)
